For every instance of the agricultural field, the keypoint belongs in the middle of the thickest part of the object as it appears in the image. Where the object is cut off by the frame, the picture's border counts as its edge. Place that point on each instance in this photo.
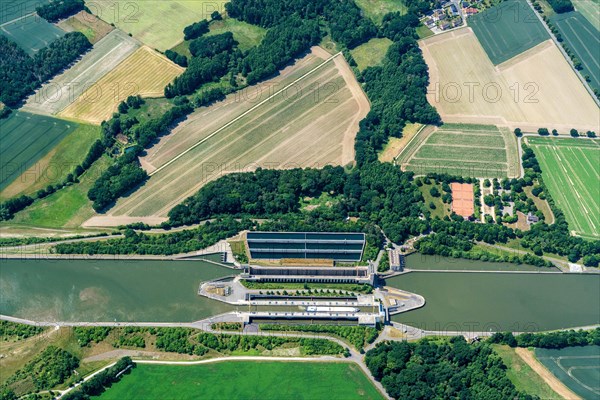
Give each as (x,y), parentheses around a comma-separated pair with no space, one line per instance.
(590,10)
(577,367)
(571,171)
(91,26)
(507,30)
(65,208)
(54,167)
(584,40)
(450,149)
(310,124)
(157,23)
(522,375)
(145,73)
(26,138)
(370,53)
(245,380)
(31,33)
(13,9)
(536,89)
(395,145)
(64,89)
(376,9)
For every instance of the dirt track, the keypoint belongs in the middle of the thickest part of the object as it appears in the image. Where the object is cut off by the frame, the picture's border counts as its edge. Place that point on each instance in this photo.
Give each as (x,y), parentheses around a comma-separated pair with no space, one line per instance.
(552,381)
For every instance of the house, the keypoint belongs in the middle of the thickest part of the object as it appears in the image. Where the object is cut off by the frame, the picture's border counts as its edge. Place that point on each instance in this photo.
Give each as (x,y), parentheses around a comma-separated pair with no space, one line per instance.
(532,219)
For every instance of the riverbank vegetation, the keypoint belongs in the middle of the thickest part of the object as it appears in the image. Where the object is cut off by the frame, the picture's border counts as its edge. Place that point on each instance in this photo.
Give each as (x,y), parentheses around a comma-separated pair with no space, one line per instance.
(448,368)
(100,382)
(549,340)
(357,336)
(14,331)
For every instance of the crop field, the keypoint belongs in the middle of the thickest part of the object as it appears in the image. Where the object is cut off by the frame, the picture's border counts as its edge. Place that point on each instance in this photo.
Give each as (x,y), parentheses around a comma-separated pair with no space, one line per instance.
(590,10)
(312,123)
(26,138)
(451,149)
(584,39)
(535,89)
(376,9)
(507,30)
(64,89)
(571,170)
(145,73)
(371,53)
(577,367)
(13,9)
(245,380)
(56,165)
(31,33)
(91,26)
(157,23)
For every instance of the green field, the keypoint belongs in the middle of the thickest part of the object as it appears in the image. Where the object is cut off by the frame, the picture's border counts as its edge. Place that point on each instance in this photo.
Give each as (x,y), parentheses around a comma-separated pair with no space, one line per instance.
(450,149)
(376,9)
(590,10)
(157,23)
(56,165)
(577,367)
(13,9)
(231,380)
(584,40)
(26,138)
(507,30)
(522,376)
(31,33)
(571,171)
(370,53)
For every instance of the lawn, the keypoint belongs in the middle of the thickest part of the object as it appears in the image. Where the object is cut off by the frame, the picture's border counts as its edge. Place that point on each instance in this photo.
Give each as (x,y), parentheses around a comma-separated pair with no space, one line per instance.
(507,30)
(522,376)
(31,33)
(25,139)
(441,209)
(144,73)
(299,127)
(55,165)
(584,40)
(66,208)
(157,23)
(449,149)
(571,171)
(577,367)
(228,380)
(65,88)
(376,9)
(370,53)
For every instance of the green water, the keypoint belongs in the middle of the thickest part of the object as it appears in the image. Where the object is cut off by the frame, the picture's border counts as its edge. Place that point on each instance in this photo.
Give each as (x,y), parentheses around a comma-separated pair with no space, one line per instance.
(516,302)
(91,290)
(417,261)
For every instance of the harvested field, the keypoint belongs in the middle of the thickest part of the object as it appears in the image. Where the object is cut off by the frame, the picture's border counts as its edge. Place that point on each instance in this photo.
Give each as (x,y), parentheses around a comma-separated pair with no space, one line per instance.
(298,127)
(157,23)
(508,29)
(91,26)
(450,149)
(370,53)
(26,138)
(576,367)
(64,89)
(571,171)
(31,33)
(56,164)
(584,40)
(144,73)
(462,199)
(536,89)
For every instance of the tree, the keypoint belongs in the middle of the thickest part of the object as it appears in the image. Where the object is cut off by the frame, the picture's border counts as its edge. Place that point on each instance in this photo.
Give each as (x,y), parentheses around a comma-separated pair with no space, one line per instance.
(434,191)
(518,132)
(543,132)
(574,132)
(216,16)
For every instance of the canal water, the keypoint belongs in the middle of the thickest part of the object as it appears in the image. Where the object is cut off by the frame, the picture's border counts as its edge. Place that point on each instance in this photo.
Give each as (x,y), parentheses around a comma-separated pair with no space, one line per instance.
(480,301)
(417,261)
(94,290)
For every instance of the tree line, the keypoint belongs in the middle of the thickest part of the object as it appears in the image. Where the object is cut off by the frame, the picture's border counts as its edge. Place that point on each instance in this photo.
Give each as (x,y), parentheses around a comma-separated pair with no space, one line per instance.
(549,340)
(100,382)
(20,74)
(59,9)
